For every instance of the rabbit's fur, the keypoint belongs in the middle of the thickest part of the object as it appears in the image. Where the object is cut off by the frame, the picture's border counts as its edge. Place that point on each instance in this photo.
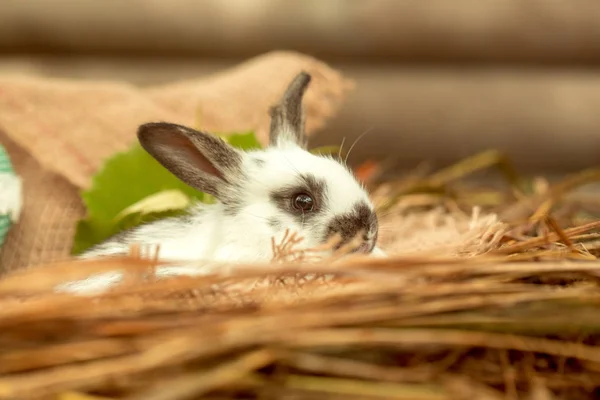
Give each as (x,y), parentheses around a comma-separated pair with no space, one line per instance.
(257,193)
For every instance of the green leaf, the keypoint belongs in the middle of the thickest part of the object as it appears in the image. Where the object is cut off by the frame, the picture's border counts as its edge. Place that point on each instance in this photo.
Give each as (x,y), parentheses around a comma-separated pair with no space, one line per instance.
(127,178)
(167,200)
(88,233)
(245,141)
(132,188)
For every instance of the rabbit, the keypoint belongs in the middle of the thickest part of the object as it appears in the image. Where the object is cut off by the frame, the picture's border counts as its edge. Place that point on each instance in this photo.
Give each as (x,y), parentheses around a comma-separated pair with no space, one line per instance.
(260,194)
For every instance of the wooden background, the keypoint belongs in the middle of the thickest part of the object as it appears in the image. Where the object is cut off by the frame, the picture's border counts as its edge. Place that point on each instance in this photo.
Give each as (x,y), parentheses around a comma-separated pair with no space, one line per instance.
(436,80)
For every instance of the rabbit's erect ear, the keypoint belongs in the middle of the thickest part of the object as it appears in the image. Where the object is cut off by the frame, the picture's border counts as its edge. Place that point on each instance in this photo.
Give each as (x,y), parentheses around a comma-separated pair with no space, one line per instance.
(287,117)
(199,159)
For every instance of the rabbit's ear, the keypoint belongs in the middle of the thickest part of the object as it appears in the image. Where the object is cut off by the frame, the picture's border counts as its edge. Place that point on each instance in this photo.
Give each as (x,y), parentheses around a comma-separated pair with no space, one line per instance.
(287,117)
(201,160)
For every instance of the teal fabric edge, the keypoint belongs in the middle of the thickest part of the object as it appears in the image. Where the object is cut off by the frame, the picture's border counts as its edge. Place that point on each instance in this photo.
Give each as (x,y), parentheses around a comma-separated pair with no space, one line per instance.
(5,167)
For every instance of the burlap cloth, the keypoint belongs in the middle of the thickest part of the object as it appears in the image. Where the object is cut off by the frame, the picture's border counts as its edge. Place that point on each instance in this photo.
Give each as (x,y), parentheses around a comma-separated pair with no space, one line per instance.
(58,132)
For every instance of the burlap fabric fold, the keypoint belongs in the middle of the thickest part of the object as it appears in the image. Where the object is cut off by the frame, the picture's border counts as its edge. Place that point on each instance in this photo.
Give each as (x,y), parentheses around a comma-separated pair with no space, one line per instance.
(58,132)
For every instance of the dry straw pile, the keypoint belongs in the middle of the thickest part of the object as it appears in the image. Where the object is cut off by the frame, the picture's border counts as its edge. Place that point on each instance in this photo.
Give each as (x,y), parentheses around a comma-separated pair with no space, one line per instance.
(500,304)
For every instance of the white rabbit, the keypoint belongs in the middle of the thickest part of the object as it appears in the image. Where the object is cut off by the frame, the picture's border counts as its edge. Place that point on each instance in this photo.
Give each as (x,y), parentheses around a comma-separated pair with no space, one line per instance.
(260,194)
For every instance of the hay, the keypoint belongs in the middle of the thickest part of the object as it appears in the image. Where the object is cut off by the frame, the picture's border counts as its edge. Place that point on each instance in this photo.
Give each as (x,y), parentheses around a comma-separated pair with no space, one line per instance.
(486,308)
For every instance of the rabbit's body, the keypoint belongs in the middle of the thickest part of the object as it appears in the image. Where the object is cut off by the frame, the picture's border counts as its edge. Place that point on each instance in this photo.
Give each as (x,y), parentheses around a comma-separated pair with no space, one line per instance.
(262,194)
(217,232)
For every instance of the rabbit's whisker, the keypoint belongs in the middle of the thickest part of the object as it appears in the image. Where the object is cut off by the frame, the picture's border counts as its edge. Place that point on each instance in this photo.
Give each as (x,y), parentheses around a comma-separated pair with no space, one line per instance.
(341,147)
(355,142)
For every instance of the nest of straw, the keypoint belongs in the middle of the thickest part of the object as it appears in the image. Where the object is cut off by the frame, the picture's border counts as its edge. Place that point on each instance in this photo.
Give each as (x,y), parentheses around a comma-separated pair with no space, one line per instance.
(519,319)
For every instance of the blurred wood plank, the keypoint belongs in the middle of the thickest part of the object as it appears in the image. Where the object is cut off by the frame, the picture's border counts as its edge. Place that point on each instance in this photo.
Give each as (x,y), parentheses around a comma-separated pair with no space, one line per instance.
(545,119)
(533,31)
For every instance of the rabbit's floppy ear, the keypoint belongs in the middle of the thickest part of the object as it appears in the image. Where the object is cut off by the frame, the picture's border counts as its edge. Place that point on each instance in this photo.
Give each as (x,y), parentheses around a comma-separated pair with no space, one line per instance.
(287,117)
(201,160)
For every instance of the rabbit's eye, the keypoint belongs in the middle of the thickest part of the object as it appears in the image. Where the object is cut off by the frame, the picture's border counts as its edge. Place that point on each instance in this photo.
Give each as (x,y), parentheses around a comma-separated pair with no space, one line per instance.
(303,202)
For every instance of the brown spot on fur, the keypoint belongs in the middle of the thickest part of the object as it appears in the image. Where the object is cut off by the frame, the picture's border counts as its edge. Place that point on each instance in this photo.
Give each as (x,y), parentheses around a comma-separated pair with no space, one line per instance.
(232,206)
(349,225)
(306,184)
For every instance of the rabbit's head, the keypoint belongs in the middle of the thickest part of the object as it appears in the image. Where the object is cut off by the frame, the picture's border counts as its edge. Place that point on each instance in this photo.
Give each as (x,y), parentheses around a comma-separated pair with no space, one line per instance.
(283,186)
